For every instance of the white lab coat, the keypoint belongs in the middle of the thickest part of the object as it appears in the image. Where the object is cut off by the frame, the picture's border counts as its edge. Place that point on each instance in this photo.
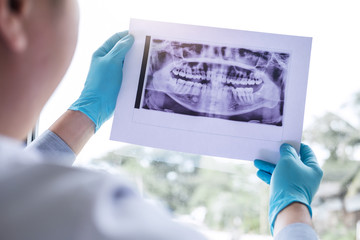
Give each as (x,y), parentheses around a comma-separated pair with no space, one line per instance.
(41,200)
(43,197)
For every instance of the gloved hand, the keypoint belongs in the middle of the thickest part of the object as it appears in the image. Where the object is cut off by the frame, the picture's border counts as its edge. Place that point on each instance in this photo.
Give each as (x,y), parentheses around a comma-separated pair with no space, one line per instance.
(98,98)
(293,179)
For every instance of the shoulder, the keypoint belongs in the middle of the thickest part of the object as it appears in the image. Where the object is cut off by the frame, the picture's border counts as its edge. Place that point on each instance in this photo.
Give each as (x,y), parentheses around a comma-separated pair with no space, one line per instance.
(72,201)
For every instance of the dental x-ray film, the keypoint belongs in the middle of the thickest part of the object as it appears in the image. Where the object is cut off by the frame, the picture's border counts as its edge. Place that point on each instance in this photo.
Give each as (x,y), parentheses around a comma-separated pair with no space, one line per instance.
(233,83)
(219,92)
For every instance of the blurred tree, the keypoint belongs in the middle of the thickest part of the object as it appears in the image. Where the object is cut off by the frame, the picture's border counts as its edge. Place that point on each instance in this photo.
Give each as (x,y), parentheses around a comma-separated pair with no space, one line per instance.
(341,140)
(334,134)
(338,135)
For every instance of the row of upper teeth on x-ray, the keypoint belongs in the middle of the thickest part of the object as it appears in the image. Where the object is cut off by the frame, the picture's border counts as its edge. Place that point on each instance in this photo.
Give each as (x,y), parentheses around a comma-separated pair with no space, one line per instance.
(198,75)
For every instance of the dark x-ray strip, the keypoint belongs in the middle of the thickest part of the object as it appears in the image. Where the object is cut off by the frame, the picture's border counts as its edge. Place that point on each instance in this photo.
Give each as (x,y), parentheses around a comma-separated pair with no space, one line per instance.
(142,73)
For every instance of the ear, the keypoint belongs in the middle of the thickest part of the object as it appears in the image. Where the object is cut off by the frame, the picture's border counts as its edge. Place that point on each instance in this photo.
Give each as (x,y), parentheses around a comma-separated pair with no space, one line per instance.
(12,20)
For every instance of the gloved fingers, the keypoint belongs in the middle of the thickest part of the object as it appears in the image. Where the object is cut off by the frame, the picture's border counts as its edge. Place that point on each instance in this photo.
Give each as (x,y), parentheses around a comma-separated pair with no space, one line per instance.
(264,166)
(122,47)
(308,157)
(109,44)
(287,151)
(264,176)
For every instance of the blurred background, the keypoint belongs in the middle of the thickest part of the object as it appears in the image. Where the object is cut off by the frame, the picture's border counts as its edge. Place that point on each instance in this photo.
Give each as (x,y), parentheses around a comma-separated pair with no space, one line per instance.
(223,197)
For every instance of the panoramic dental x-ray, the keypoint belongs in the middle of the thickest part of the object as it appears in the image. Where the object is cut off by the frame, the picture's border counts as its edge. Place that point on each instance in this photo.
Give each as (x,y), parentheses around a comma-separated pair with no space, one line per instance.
(240,84)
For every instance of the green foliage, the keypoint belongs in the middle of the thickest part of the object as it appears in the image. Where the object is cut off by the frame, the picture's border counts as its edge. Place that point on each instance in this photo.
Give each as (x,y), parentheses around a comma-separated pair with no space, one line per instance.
(334,134)
(232,199)
(340,138)
(339,171)
(339,232)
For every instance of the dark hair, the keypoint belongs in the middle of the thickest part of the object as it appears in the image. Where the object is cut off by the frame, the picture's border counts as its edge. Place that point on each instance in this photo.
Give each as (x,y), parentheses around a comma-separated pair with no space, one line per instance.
(56,2)
(14,5)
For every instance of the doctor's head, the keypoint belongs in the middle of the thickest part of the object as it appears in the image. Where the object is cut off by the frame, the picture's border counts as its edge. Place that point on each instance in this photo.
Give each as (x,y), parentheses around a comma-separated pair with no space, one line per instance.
(37,43)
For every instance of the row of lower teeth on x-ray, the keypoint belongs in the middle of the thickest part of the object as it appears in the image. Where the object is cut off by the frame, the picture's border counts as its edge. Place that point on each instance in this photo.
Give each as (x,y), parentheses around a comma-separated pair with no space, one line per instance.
(243,95)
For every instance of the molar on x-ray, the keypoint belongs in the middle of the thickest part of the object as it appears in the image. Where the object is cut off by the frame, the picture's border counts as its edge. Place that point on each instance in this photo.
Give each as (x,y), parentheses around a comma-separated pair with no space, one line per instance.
(240,84)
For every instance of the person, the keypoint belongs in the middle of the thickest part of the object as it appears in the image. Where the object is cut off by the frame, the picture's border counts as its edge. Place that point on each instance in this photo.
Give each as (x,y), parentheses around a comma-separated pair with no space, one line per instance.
(42,196)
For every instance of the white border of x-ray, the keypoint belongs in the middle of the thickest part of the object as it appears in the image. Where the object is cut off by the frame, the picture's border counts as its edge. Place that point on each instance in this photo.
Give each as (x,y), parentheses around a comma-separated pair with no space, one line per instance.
(204,135)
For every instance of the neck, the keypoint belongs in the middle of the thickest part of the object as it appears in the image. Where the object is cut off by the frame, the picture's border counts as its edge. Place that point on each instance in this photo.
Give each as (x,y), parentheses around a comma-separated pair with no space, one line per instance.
(20,104)
(16,121)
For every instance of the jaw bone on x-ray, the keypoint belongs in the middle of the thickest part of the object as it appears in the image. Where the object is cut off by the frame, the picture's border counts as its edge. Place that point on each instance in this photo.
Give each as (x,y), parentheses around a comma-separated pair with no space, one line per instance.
(238,84)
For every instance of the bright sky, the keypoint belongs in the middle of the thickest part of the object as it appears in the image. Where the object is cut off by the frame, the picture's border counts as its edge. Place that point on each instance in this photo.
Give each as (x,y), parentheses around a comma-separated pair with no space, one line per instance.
(334,26)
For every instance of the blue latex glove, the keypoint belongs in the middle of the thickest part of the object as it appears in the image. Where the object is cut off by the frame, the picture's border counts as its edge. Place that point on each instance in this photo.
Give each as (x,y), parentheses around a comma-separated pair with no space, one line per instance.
(265,171)
(293,179)
(98,98)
